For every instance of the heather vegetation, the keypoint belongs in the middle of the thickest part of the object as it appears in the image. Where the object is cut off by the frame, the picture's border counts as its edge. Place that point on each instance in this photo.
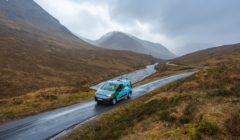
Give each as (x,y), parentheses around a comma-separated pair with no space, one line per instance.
(202,106)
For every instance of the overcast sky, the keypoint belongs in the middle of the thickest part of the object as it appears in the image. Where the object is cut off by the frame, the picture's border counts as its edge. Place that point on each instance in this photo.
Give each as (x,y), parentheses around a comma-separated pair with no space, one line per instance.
(172,23)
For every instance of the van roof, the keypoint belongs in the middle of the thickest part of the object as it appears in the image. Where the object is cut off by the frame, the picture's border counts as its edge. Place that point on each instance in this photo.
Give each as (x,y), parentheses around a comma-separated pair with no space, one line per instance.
(118,81)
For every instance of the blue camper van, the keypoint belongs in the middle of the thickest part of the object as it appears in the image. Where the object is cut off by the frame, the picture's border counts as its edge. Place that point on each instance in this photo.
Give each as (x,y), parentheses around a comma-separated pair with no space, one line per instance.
(113,91)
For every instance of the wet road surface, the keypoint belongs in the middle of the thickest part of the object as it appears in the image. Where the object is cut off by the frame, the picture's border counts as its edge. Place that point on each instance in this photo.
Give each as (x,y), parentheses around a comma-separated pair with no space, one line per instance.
(51,123)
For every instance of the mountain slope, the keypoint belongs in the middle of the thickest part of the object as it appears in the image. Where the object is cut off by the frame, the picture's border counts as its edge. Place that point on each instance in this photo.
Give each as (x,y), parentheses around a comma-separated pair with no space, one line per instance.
(120,41)
(211,56)
(37,52)
(192,47)
(123,41)
(156,49)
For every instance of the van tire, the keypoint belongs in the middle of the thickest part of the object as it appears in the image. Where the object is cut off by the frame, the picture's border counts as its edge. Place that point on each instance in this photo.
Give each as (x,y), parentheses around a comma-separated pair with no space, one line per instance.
(114,101)
(129,95)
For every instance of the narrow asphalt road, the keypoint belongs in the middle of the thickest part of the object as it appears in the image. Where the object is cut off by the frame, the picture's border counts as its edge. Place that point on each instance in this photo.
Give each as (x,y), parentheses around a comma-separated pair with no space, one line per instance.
(168,63)
(51,123)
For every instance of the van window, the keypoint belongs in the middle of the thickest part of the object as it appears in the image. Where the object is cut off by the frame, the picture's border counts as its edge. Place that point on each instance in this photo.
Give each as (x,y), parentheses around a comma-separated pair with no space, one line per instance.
(109,87)
(120,87)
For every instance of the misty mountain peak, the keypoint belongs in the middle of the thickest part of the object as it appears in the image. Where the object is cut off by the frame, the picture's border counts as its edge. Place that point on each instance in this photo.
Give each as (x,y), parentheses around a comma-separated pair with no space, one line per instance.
(123,41)
(107,35)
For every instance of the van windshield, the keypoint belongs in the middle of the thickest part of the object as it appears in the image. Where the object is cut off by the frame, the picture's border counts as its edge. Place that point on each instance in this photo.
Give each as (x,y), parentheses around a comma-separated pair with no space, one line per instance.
(109,86)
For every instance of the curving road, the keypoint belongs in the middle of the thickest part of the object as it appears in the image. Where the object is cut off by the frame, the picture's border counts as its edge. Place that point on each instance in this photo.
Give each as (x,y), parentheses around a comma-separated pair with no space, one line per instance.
(51,123)
(197,67)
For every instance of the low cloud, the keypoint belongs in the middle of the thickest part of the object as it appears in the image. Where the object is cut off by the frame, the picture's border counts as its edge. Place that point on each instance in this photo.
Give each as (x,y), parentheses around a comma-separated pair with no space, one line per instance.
(213,21)
(172,23)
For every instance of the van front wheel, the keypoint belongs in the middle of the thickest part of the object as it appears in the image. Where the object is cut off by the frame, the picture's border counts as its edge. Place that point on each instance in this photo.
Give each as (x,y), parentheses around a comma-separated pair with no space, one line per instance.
(114,101)
(129,95)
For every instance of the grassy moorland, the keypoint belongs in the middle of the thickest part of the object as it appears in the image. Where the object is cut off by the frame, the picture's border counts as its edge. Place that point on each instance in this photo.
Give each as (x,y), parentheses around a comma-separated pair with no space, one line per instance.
(202,106)
(164,70)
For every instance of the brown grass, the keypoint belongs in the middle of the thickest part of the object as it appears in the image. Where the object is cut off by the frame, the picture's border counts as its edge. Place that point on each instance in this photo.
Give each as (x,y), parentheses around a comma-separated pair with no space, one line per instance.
(42,100)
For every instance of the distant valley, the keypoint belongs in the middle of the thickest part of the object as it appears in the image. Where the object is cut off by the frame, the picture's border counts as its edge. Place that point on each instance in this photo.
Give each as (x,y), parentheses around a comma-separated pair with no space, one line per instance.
(192,47)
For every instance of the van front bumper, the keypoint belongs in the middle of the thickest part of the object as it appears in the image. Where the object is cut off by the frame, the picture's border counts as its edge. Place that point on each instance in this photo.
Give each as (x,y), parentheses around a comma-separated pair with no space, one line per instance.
(103,100)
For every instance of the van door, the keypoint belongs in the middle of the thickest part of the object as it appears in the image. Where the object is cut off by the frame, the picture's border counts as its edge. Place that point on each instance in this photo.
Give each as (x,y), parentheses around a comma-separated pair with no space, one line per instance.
(120,91)
(129,85)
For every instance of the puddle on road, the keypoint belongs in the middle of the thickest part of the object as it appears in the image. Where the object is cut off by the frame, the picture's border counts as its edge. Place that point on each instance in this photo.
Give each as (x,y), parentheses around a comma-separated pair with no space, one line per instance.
(133,76)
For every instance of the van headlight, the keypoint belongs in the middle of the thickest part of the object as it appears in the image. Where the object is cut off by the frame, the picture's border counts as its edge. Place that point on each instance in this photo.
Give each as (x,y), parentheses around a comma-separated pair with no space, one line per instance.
(96,93)
(109,95)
